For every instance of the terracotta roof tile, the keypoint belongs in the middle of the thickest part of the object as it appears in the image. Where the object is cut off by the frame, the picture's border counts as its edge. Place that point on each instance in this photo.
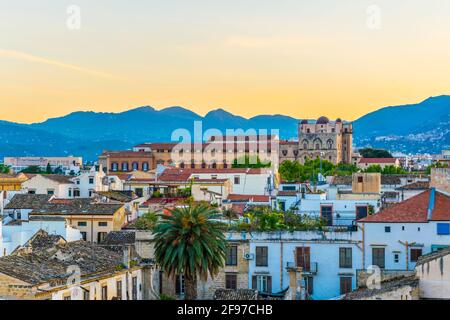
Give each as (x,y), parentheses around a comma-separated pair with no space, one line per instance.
(378,160)
(414,209)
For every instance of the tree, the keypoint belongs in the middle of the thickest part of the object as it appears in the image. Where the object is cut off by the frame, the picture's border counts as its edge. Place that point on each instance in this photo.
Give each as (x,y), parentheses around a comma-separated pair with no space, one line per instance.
(344,169)
(147,221)
(4,168)
(436,165)
(48,170)
(32,169)
(230,215)
(189,243)
(250,162)
(292,171)
(374,153)
(373,168)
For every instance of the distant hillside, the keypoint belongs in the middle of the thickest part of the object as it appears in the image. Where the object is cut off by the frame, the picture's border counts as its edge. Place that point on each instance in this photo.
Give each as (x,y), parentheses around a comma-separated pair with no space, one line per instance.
(422,127)
(412,128)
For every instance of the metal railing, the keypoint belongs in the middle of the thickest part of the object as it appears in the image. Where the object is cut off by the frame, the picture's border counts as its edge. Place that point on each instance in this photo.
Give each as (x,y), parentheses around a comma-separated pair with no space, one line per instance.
(312,268)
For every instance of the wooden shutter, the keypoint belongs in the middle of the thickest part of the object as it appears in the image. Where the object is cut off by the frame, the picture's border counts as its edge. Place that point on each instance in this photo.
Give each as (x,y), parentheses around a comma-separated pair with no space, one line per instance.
(254,286)
(303,258)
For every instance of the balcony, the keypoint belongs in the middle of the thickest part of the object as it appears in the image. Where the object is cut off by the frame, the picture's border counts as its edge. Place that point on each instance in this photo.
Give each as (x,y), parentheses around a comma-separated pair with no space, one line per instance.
(311,270)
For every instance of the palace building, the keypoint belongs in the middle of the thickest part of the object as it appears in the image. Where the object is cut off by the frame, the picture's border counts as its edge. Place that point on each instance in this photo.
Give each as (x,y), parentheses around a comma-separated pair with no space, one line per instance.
(329,140)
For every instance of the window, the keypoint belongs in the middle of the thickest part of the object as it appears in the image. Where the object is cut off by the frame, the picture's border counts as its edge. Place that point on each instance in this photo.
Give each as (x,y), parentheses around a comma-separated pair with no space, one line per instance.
(31,191)
(101,236)
(346,285)
(231,259)
(378,257)
(82,223)
(303,257)
(50,192)
(361,212)
(345,257)
(237,180)
(103,224)
(70,193)
(114,166)
(145,166)
(119,289)
(387,229)
(86,295)
(396,257)
(134,288)
(124,166)
(214,177)
(139,192)
(360,179)
(326,213)
(415,254)
(83,235)
(261,256)
(67,298)
(76,193)
(135,166)
(104,293)
(443,228)
(230,281)
(90,192)
(262,283)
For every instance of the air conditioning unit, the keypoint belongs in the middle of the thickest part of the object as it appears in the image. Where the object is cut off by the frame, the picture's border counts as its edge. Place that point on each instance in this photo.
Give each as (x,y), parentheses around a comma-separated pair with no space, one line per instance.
(249,256)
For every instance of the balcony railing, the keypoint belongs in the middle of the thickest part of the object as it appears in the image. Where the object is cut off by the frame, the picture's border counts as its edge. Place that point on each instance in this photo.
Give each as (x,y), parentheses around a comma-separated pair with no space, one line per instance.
(311,269)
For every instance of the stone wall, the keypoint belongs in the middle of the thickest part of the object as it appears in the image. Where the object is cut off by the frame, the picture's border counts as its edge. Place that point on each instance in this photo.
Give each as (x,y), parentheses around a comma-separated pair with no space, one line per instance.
(14,288)
(440,179)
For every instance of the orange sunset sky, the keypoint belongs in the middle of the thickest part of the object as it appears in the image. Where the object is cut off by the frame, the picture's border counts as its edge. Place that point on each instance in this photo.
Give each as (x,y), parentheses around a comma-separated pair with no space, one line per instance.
(295,57)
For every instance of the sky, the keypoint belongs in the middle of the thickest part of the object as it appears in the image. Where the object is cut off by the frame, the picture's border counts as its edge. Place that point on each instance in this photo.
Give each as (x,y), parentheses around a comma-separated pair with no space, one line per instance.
(303,58)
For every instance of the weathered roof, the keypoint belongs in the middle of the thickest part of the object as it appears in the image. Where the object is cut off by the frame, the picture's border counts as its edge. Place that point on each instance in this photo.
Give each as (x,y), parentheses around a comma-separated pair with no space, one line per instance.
(417,185)
(248,198)
(50,264)
(120,238)
(40,240)
(121,196)
(288,193)
(386,286)
(415,209)
(28,201)
(76,207)
(432,256)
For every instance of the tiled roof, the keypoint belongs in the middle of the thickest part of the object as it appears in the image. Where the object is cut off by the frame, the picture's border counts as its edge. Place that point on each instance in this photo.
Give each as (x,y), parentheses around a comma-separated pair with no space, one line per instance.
(50,264)
(287,193)
(418,185)
(59,178)
(432,256)
(288,143)
(40,240)
(120,238)
(378,160)
(248,198)
(28,201)
(127,154)
(414,209)
(121,196)
(76,207)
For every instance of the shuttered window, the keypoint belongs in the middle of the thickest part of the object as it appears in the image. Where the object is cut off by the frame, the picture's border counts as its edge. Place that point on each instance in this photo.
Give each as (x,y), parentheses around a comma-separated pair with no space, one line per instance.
(378,257)
(262,256)
(231,281)
(262,283)
(345,257)
(415,254)
(346,284)
(231,259)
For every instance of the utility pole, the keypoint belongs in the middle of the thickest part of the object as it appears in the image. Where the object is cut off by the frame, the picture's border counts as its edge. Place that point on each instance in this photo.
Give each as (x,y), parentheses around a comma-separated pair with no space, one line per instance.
(407,246)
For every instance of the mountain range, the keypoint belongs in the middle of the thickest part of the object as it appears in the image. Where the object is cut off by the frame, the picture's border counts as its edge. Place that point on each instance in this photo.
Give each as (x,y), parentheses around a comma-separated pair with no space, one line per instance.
(416,128)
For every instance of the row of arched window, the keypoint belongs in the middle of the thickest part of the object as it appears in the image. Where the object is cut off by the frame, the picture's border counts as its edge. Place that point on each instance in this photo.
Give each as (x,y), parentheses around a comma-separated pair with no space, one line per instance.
(125,166)
(317,144)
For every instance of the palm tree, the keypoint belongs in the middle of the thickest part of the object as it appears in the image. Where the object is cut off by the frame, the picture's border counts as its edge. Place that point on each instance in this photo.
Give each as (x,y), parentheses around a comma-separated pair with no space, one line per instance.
(189,243)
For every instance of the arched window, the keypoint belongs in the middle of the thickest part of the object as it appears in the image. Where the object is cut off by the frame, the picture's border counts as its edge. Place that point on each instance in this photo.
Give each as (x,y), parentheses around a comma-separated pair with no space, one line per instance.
(145,166)
(114,166)
(225,164)
(330,144)
(182,165)
(317,146)
(135,166)
(214,165)
(203,165)
(284,152)
(124,166)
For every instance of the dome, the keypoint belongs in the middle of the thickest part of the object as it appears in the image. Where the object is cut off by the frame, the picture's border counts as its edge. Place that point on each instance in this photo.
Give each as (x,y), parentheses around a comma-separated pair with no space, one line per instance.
(323,120)
(304,122)
(338,120)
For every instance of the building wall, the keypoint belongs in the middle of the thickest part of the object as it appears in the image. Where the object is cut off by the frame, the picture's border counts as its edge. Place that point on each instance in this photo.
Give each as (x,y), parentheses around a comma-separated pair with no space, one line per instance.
(424,235)
(324,249)
(434,278)
(42,185)
(440,179)
(366,183)
(14,288)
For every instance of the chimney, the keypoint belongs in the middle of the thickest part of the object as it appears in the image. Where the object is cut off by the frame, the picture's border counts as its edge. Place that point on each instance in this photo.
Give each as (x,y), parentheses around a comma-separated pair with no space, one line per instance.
(431,203)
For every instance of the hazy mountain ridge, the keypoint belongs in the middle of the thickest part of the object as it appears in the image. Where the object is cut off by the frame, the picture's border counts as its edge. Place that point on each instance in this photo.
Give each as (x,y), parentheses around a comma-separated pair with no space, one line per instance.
(422,127)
